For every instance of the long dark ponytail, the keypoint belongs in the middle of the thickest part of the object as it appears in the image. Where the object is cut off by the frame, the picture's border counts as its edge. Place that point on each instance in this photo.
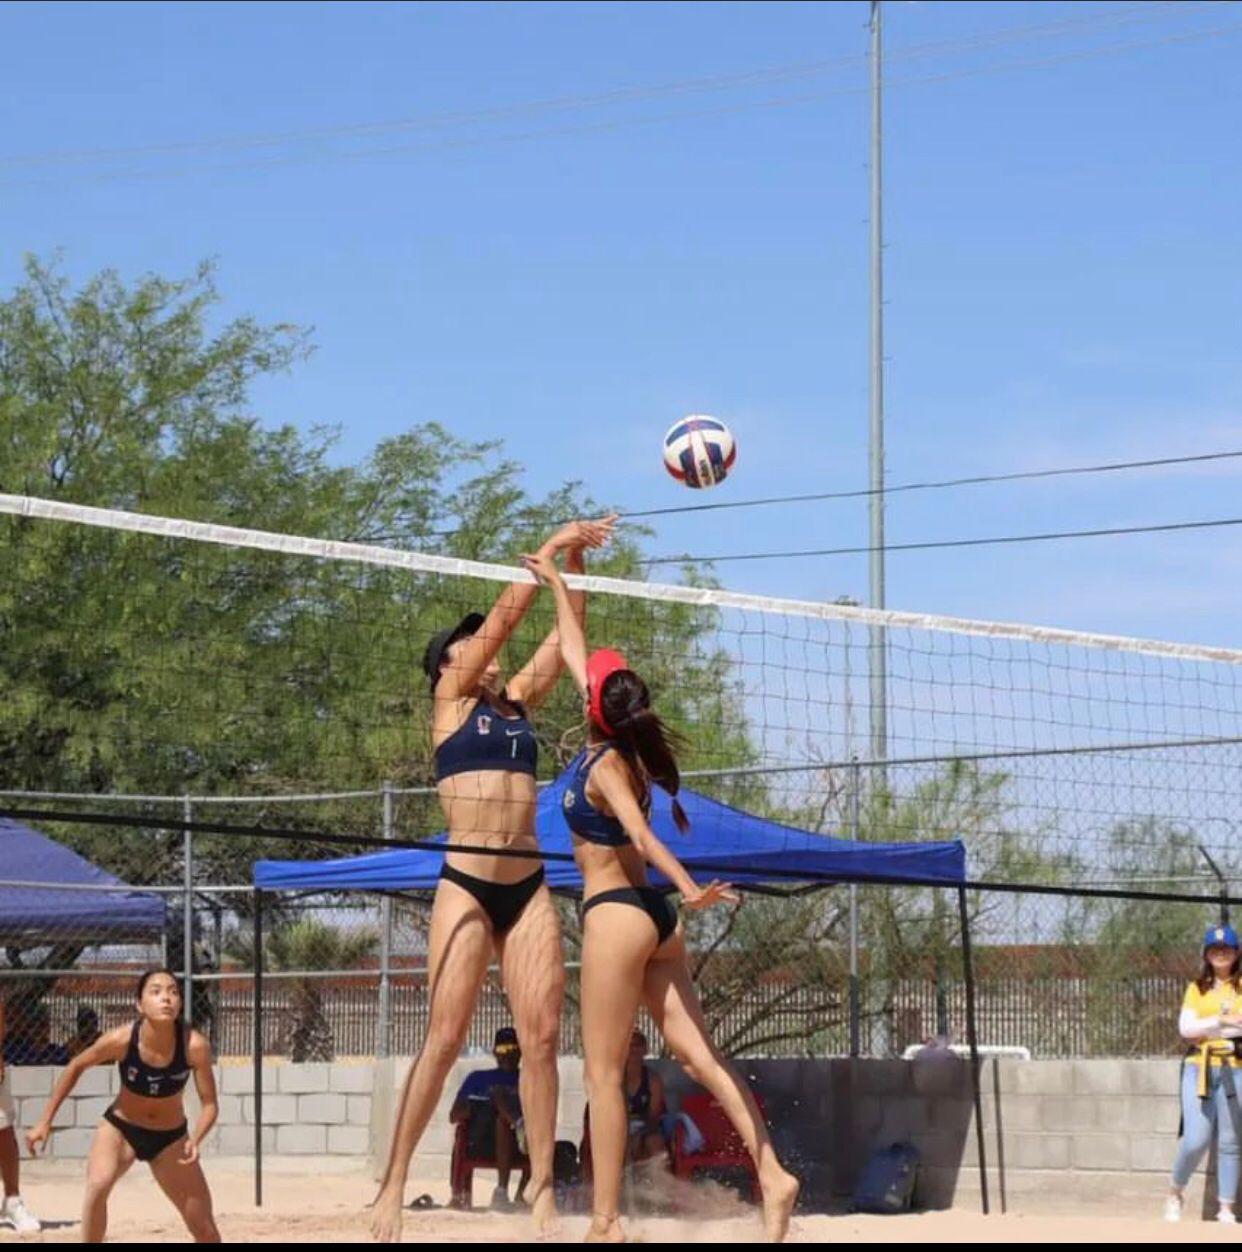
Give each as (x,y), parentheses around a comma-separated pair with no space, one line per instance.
(625,703)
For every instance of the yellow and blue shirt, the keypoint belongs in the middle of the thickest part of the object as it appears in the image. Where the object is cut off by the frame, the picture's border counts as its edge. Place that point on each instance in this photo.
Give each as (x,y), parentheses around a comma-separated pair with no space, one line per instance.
(1199,1023)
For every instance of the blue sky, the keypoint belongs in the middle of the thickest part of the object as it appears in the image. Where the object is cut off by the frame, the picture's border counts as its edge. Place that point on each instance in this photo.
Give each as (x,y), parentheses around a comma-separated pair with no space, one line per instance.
(1063,272)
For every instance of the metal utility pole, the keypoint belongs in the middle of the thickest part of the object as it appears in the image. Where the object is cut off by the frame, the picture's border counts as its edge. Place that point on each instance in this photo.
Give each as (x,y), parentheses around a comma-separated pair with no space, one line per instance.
(878,643)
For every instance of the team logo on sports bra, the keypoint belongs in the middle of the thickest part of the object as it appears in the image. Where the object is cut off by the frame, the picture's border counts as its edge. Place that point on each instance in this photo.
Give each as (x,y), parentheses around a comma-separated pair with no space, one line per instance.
(568,801)
(484,724)
(132,1073)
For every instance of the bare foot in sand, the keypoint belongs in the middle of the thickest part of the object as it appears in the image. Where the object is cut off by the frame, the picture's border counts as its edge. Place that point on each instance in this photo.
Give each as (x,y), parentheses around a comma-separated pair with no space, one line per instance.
(543,1211)
(605,1228)
(386,1217)
(780,1194)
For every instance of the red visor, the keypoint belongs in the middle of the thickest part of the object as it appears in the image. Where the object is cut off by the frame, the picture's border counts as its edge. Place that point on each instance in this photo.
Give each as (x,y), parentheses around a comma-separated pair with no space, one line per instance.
(600,666)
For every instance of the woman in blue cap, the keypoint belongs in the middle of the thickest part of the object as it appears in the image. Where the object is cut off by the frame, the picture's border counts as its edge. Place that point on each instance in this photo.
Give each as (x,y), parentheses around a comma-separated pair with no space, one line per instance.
(1211,1025)
(490,906)
(633,950)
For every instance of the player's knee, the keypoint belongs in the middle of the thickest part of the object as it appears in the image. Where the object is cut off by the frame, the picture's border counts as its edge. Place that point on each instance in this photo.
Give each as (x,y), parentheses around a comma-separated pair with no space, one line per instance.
(442,1048)
(98,1188)
(601,1076)
(539,1039)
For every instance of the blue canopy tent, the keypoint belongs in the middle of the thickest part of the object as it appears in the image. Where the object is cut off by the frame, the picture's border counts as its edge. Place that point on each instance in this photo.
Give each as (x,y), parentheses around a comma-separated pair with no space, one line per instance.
(722,842)
(66,912)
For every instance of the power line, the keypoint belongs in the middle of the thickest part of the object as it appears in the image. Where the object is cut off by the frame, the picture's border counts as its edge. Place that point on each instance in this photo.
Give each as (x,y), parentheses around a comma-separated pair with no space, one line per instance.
(1106,467)
(987,541)
(620,95)
(618,123)
(938,484)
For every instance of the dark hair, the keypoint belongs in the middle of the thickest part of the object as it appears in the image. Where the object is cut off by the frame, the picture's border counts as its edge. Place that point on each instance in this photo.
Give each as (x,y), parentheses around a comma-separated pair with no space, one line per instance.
(1207,976)
(151,973)
(625,704)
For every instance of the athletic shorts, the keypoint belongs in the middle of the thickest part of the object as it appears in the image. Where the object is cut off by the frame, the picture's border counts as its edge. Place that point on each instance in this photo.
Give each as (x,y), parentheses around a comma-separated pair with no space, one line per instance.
(8,1110)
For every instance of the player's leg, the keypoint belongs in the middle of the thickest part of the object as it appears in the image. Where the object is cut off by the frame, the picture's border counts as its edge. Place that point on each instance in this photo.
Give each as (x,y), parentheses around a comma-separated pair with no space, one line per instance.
(458,951)
(186,1186)
(532,965)
(674,1005)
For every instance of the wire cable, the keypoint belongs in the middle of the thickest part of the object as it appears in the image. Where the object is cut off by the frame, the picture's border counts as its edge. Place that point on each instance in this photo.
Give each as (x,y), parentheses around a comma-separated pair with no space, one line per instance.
(972,480)
(986,541)
(619,95)
(616,124)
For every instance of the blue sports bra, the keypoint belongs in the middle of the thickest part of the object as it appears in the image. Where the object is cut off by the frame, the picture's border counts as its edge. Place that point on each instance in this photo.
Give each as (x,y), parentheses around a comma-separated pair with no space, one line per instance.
(487,740)
(148,1080)
(585,820)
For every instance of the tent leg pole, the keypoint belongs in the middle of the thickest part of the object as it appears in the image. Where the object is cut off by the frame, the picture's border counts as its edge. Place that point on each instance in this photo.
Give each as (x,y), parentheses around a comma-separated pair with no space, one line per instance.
(972,1036)
(257,1014)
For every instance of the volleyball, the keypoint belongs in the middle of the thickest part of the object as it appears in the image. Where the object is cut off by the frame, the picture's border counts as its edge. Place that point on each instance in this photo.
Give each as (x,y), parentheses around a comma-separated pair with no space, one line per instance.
(699,451)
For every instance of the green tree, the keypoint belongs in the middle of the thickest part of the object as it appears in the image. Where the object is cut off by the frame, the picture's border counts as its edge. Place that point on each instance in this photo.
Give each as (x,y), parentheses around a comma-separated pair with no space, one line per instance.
(305,945)
(147,665)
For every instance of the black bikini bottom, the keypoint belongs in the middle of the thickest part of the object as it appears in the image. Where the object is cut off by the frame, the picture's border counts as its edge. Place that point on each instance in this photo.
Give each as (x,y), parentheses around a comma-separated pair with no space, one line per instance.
(147,1144)
(503,902)
(646,898)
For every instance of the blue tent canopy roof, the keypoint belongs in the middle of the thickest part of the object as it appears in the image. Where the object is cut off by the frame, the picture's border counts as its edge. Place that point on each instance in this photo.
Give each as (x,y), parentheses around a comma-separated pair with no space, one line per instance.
(39,915)
(738,846)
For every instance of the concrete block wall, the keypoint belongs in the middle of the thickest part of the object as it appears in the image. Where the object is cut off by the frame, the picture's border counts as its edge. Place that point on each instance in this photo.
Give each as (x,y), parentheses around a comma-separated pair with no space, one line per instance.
(321,1110)
(1089,1123)
(1078,1128)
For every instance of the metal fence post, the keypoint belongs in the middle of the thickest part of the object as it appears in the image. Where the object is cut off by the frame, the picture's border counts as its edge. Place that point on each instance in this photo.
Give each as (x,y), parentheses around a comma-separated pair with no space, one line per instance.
(972,1037)
(257,1047)
(383,1042)
(855,988)
(187,912)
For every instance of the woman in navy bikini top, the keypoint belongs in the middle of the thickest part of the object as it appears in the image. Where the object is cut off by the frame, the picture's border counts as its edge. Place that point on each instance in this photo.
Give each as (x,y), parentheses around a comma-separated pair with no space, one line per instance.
(583,818)
(489,739)
(146,1122)
(633,951)
(489,904)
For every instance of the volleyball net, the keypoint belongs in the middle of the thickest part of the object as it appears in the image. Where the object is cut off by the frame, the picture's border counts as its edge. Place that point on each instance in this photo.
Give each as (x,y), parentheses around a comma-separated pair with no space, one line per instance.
(181,699)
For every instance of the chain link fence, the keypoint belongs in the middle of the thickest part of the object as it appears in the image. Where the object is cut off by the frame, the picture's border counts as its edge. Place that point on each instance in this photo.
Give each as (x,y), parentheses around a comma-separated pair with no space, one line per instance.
(1065,968)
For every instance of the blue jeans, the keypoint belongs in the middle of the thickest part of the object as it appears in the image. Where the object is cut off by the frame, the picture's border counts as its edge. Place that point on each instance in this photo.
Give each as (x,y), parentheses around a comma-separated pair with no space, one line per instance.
(1198,1118)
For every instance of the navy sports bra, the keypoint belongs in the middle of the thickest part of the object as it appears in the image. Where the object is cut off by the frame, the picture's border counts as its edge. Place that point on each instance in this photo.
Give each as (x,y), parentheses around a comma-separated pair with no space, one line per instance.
(146,1080)
(585,820)
(486,740)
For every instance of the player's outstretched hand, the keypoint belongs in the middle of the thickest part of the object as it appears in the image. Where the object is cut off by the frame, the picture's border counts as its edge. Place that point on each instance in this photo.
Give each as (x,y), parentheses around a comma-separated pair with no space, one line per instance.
(543,567)
(716,892)
(583,534)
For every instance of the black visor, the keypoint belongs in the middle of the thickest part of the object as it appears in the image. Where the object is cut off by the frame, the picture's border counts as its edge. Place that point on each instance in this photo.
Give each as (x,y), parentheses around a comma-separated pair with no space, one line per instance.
(440,642)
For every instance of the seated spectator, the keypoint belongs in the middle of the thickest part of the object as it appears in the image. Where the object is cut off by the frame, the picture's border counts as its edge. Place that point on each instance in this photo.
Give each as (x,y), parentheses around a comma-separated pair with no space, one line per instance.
(488,1103)
(86,1033)
(651,1127)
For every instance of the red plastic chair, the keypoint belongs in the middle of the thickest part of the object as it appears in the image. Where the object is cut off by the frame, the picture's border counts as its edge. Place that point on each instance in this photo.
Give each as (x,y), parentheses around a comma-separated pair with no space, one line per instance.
(723,1149)
(462,1166)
